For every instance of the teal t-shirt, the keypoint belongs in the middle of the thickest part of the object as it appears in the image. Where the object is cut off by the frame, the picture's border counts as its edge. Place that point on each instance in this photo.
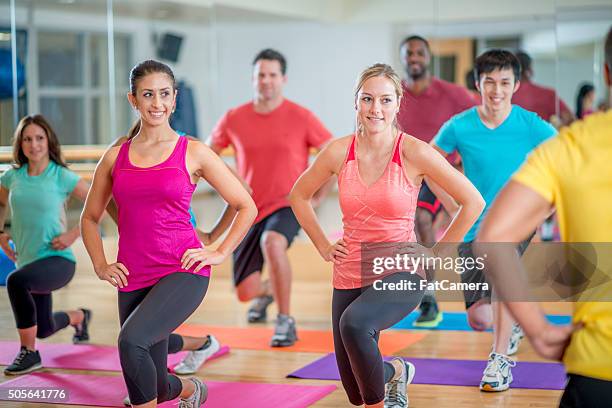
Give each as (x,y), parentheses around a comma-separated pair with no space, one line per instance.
(38,208)
(491,156)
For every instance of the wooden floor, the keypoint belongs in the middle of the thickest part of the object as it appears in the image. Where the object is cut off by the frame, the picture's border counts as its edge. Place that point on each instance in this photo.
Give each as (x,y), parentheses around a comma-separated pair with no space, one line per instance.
(311,308)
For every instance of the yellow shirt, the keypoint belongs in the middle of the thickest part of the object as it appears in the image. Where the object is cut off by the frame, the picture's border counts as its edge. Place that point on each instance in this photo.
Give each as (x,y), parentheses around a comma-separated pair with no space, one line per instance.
(573,171)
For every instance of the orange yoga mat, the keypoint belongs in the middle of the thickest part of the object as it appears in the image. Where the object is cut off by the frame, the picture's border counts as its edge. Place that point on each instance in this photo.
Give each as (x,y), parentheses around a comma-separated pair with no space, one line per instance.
(312,341)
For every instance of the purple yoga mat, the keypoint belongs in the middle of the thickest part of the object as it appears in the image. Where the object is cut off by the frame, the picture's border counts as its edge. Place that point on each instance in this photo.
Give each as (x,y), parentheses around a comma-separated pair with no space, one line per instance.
(109,391)
(542,376)
(82,356)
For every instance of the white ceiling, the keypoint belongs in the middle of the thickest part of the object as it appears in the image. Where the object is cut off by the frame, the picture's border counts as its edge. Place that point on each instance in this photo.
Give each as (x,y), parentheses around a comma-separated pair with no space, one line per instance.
(569,21)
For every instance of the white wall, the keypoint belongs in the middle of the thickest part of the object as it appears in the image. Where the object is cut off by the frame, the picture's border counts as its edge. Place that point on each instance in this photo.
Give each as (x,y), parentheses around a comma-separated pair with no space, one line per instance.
(324,59)
(323,64)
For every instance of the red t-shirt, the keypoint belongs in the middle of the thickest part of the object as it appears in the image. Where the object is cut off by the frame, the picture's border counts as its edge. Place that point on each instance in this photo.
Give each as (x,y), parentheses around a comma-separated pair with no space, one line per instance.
(538,99)
(272,149)
(422,115)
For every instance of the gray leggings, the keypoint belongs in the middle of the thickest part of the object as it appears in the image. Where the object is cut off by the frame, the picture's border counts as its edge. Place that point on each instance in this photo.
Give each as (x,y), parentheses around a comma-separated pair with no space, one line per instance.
(147,317)
(358,316)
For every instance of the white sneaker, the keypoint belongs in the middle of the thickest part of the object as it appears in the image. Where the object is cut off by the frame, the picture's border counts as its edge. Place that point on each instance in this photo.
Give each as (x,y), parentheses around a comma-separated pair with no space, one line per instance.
(497,376)
(396,392)
(194,359)
(198,398)
(515,339)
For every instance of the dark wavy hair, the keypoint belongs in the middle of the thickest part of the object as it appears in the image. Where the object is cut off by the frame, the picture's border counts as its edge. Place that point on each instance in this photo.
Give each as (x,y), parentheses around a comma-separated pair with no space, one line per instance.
(55,150)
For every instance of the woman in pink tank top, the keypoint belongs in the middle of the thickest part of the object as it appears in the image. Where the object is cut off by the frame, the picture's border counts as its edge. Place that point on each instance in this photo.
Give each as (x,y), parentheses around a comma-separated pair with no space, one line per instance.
(162,270)
(379,173)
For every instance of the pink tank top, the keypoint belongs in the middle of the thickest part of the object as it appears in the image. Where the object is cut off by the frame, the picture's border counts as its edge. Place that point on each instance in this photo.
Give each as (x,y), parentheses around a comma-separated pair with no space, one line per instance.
(380,213)
(154,227)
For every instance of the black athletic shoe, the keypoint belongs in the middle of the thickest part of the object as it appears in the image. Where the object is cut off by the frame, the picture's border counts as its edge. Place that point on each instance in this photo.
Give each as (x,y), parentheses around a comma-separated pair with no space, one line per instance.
(258,312)
(81,332)
(25,362)
(430,314)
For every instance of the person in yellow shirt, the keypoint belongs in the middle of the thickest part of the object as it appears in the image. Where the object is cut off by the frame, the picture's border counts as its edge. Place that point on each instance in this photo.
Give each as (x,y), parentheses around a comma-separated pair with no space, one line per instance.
(572,173)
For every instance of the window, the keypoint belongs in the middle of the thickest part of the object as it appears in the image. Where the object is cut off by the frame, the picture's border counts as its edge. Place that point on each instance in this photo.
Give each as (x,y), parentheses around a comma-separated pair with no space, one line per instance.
(74,85)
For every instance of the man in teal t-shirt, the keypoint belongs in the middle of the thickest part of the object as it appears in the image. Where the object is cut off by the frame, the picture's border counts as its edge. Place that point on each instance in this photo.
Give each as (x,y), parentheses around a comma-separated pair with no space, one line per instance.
(493,140)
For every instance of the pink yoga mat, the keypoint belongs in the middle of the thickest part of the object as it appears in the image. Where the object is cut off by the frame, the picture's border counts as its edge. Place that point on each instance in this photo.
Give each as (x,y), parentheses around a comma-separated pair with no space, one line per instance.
(86,390)
(82,356)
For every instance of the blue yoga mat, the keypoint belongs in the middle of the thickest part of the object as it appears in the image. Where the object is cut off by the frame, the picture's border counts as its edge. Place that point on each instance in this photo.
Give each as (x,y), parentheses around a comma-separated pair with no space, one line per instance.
(458,321)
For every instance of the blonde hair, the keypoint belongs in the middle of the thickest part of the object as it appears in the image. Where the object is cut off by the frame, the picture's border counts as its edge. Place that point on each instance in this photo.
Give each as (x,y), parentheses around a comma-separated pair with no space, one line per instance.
(379,70)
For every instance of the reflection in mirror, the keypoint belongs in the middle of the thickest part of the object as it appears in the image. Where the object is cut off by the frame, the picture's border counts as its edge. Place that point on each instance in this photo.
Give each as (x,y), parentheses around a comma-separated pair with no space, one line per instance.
(580,57)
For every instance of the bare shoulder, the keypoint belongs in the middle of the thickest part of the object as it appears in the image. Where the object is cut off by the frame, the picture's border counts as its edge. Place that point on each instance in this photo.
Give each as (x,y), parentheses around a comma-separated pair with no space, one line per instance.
(198,149)
(419,153)
(338,146)
(119,141)
(109,157)
(413,147)
(111,153)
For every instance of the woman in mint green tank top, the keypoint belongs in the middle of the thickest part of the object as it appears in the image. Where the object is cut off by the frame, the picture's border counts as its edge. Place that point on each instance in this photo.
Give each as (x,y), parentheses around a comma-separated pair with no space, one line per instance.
(36,189)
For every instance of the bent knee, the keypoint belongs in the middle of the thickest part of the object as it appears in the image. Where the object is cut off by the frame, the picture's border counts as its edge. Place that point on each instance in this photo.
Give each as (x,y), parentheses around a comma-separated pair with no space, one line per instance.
(15,280)
(480,317)
(352,328)
(247,290)
(273,242)
(43,333)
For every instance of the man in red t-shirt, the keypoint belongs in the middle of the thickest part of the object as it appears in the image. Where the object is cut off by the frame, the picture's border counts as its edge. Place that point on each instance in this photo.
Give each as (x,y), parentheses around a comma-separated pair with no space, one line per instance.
(539,99)
(428,102)
(272,138)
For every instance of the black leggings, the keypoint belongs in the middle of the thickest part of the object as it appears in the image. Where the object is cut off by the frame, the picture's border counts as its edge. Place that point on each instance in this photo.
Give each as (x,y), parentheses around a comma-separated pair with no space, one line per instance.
(147,317)
(29,289)
(358,316)
(586,392)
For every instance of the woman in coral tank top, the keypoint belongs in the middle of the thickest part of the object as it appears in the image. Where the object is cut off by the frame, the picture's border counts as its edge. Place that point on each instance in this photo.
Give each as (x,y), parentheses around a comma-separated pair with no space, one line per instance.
(379,171)
(162,271)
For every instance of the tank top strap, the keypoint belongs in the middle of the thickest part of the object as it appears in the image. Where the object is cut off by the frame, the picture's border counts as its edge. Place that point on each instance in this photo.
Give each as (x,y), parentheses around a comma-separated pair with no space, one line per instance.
(177,158)
(397,151)
(350,153)
(122,158)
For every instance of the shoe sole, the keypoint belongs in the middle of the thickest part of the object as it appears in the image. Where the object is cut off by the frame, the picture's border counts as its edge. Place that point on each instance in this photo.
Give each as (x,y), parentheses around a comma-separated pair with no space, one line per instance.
(282,343)
(27,370)
(257,319)
(431,323)
(489,388)
(411,370)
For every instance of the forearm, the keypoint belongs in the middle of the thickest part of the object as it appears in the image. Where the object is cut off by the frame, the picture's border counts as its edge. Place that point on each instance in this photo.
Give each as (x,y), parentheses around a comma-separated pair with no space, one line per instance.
(305,214)
(223,223)
(459,226)
(243,221)
(74,233)
(321,193)
(529,316)
(93,242)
